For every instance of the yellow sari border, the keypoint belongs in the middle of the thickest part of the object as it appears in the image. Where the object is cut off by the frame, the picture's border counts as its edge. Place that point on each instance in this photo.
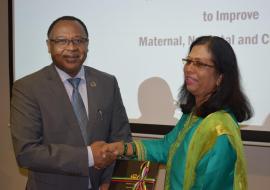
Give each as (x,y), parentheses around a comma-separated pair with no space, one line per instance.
(141,151)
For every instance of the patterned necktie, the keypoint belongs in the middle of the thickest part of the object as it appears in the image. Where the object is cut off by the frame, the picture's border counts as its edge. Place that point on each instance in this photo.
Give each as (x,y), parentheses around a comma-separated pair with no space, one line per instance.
(79,108)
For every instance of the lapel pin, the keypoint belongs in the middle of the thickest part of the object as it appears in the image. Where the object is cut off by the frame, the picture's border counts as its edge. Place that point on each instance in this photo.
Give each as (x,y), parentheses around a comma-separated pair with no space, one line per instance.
(93,84)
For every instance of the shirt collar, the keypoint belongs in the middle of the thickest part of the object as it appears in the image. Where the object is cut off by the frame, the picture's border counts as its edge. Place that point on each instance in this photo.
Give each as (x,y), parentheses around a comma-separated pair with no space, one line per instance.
(64,76)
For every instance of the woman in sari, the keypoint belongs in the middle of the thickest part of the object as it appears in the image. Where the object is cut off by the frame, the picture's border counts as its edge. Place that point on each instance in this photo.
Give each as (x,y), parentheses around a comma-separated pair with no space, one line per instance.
(204,150)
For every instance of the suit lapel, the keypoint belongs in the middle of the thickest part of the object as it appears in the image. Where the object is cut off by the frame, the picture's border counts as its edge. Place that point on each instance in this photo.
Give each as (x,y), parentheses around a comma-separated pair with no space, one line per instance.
(91,86)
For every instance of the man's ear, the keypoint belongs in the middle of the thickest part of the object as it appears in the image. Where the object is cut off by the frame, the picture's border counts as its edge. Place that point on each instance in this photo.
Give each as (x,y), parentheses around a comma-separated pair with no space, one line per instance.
(48,45)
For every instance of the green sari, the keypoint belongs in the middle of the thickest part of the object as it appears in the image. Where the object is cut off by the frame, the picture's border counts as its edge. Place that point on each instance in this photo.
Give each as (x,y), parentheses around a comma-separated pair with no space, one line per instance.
(200,153)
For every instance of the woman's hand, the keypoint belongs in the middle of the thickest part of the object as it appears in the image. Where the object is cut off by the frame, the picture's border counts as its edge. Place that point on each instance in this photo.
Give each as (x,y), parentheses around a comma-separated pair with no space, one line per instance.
(117,148)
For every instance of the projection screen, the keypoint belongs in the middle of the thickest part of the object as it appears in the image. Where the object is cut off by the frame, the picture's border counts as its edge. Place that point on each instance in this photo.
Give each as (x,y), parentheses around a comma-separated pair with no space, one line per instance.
(142,43)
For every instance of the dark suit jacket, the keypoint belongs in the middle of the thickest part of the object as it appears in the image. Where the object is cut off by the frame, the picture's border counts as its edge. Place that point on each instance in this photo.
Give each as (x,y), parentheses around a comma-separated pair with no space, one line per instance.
(46,137)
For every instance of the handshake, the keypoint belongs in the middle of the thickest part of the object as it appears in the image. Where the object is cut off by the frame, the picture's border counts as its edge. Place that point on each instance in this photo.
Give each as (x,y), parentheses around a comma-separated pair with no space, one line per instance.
(105,153)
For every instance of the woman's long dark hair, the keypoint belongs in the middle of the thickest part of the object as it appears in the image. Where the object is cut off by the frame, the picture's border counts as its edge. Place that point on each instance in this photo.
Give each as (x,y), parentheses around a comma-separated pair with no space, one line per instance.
(229,94)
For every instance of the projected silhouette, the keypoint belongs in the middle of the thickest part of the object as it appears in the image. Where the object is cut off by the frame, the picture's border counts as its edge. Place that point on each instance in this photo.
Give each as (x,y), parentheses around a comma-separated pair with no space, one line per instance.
(155,102)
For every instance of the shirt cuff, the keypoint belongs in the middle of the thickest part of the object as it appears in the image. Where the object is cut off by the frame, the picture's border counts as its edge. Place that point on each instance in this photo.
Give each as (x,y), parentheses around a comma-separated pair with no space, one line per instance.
(90,157)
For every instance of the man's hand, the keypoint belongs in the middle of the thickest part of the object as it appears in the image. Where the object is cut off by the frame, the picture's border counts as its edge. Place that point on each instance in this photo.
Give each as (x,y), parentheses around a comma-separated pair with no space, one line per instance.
(116,148)
(102,157)
(104,186)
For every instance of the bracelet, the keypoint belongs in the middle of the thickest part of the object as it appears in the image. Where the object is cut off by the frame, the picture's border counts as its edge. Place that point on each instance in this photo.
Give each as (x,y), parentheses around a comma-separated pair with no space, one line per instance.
(125,149)
(134,150)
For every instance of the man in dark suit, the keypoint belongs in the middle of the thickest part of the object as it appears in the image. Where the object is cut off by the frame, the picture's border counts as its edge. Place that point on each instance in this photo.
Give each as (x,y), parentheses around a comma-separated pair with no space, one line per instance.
(47,136)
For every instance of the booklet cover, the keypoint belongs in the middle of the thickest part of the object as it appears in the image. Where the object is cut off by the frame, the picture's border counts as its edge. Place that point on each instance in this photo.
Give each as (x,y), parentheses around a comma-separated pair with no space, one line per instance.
(134,175)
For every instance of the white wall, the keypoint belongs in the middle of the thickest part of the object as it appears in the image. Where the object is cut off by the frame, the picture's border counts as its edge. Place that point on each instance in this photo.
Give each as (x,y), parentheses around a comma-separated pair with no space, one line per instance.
(10,177)
(258,159)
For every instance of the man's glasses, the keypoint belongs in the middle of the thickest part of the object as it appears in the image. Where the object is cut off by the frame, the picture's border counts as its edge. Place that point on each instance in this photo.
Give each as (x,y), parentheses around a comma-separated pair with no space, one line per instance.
(66,42)
(196,63)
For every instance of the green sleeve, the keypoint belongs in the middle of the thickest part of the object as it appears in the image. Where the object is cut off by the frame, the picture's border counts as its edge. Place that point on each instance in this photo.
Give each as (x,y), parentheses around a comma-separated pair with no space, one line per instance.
(216,169)
(157,149)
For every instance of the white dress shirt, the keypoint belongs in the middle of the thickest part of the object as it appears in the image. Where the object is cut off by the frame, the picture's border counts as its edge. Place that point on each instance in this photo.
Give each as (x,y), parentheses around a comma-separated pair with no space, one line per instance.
(83,91)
